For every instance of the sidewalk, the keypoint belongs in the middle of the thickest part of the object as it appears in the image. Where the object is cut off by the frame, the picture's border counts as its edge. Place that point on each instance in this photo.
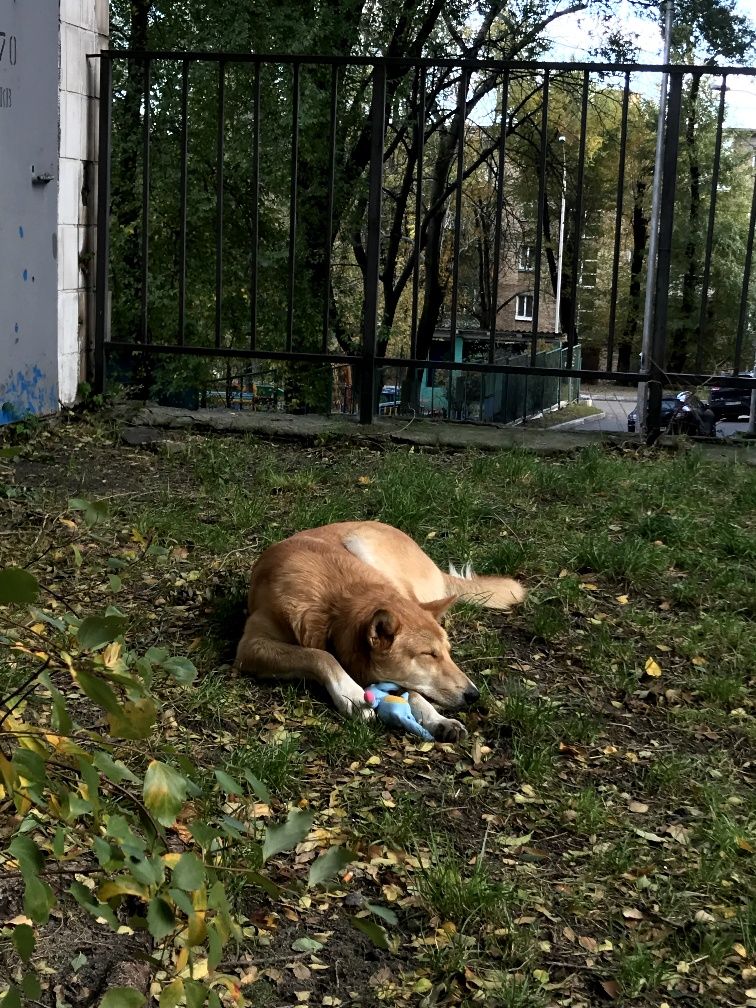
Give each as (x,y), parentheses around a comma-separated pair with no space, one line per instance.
(424,433)
(608,390)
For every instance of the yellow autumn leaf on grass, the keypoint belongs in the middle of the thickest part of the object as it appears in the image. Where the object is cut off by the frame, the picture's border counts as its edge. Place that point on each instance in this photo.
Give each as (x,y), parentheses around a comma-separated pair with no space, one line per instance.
(652,668)
(623,599)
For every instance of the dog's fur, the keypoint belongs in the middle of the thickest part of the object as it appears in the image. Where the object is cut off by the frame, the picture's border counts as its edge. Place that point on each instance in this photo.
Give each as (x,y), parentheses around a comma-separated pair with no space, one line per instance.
(355,603)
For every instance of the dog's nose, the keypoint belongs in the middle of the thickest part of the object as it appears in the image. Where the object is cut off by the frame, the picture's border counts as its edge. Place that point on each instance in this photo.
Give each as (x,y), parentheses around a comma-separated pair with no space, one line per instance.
(471,694)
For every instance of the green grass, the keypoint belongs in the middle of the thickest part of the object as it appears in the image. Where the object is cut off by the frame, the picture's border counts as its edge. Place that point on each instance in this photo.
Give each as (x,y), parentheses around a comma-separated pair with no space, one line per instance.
(524,833)
(589,811)
(573,412)
(528,723)
(276,764)
(467,896)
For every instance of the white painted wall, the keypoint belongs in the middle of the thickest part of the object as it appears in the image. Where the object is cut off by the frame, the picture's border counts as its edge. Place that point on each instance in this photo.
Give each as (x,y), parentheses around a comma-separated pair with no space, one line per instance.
(83,31)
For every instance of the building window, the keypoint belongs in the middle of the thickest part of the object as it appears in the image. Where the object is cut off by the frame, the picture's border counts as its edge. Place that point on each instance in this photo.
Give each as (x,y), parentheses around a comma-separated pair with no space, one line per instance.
(526,258)
(524,308)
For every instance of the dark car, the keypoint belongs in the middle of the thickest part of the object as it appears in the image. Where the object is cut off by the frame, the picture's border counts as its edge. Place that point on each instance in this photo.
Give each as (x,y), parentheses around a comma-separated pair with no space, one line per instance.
(729,403)
(683,413)
(668,406)
(390,400)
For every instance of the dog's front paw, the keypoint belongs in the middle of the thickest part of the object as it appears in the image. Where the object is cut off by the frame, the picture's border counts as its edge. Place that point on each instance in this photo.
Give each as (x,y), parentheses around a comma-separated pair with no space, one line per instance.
(350,702)
(362,713)
(449,730)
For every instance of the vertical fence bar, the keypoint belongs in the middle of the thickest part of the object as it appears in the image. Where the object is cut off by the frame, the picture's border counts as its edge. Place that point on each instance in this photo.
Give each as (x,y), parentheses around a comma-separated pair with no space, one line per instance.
(743,314)
(373,250)
(666,222)
(219,203)
(572,322)
(710,227)
(255,208)
(103,222)
(461,106)
(539,216)
(498,217)
(143,323)
(331,194)
(293,206)
(183,200)
(618,223)
(420,148)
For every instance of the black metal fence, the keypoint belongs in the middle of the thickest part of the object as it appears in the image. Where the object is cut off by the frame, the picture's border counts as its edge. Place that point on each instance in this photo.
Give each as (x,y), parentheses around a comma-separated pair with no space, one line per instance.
(320,214)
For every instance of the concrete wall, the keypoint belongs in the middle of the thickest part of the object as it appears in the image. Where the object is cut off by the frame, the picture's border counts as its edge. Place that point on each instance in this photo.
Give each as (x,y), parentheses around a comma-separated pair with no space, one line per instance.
(48,113)
(28,207)
(83,30)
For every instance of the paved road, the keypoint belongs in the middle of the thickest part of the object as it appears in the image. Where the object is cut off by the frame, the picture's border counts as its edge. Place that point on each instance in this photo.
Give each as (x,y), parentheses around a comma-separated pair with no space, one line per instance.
(615,410)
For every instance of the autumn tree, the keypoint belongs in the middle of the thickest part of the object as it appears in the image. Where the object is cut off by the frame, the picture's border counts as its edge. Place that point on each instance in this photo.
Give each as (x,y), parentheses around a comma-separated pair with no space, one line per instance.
(328,259)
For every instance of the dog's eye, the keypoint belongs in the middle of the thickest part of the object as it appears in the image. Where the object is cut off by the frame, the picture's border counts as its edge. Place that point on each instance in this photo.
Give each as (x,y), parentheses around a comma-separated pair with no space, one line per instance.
(430,654)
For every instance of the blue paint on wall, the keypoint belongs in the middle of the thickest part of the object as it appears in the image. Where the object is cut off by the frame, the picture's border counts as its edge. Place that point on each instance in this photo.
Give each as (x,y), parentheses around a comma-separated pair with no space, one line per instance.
(26,392)
(20,232)
(25,275)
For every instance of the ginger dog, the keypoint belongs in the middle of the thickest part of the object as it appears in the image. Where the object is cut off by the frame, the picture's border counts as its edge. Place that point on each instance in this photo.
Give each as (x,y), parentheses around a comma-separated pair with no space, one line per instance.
(355,603)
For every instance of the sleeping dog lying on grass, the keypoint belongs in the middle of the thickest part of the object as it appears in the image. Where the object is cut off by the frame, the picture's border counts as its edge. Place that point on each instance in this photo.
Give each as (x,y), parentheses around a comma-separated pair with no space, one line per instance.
(356,603)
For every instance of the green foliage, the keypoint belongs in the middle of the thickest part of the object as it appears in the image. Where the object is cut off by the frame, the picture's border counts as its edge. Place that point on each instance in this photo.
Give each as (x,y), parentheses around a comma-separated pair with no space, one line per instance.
(255,201)
(17,586)
(93,796)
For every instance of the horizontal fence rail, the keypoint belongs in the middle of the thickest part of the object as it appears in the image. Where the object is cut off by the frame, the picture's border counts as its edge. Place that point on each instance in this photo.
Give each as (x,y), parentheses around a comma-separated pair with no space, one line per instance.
(404,228)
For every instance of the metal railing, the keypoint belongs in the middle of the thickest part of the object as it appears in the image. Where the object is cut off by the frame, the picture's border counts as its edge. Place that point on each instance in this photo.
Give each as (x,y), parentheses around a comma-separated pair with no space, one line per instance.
(316,211)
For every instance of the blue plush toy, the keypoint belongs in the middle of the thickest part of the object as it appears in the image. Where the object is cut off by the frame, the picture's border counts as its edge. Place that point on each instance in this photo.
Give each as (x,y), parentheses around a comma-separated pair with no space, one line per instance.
(395,711)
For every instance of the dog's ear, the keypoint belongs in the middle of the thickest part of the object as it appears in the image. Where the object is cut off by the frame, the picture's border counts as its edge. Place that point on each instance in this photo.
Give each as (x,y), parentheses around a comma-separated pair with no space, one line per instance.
(382,630)
(438,607)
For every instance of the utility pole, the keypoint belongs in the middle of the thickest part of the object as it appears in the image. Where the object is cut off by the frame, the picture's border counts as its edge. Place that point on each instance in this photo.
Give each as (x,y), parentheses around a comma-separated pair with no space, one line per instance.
(648,313)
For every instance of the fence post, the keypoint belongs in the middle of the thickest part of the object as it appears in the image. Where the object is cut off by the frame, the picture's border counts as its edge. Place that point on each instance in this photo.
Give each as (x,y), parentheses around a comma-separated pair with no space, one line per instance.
(666,223)
(103,222)
(657,364)
(373,251)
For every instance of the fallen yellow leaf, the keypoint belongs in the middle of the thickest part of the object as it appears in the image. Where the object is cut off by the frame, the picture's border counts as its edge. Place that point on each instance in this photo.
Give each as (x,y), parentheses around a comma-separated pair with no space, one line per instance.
(631,913)
(638,807)
(652,668)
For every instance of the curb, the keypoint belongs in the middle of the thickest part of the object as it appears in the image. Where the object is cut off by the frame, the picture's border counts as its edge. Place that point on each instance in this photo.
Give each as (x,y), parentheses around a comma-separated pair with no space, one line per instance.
(578,422)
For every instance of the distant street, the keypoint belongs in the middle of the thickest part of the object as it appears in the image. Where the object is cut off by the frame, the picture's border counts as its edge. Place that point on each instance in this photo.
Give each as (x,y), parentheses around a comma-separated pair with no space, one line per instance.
(615,412)
(615,409)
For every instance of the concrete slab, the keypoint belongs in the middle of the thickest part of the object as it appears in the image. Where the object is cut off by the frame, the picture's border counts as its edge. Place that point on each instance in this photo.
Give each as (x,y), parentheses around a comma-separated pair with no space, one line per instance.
(397,430)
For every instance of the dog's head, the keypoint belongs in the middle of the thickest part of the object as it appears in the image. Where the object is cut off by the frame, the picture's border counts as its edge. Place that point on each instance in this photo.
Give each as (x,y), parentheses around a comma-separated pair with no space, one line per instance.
(409,647)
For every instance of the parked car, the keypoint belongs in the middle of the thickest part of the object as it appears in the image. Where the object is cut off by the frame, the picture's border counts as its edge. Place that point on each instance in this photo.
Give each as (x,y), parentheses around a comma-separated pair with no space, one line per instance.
(683,413)
(729,403)
(390,400)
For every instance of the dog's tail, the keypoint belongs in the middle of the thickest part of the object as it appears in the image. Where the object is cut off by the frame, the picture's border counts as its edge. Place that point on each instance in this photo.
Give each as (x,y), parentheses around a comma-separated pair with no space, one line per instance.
(487,590)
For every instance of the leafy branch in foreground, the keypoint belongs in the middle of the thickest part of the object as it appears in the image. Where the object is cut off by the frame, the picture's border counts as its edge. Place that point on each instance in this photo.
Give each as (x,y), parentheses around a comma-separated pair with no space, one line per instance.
(115,818)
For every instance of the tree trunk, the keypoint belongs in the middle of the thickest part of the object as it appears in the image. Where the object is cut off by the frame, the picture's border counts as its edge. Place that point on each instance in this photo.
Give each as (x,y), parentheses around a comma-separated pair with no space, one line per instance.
(628,340)
(684,334)
(433,297)
(126,191)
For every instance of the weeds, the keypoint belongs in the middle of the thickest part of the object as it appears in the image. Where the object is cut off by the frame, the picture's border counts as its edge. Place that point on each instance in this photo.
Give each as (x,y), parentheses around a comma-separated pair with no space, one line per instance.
(463,894)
